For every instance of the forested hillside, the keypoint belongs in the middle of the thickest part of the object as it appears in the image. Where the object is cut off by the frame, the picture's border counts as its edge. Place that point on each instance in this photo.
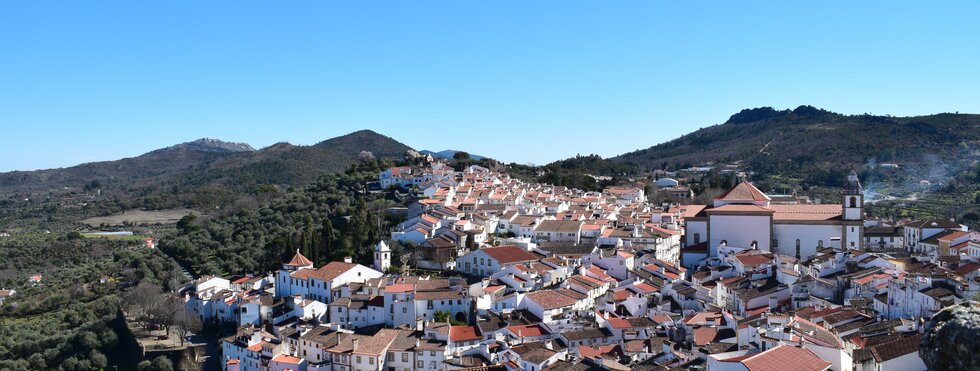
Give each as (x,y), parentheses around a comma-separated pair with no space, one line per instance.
(200,174)
(327,220)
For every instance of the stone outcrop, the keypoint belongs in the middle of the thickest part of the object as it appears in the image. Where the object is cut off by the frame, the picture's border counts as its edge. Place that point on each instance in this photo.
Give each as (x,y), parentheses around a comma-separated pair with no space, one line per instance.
(951,340)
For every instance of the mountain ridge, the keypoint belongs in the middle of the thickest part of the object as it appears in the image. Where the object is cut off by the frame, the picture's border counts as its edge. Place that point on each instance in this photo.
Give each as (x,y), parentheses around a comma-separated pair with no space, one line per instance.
(206,168)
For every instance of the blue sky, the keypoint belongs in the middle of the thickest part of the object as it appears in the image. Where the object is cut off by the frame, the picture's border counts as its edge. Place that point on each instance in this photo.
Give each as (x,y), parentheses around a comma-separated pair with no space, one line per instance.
(520,81)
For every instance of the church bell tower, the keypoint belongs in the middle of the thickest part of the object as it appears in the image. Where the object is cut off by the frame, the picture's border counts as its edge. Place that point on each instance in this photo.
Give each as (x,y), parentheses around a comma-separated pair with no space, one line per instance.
(853,213)
(853,198)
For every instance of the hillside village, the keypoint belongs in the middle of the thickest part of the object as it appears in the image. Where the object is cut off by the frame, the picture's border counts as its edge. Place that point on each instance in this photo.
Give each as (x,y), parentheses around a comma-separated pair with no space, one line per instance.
(503,274)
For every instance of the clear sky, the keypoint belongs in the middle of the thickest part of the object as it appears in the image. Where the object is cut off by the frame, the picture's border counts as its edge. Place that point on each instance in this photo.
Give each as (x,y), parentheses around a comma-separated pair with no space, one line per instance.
(524,81)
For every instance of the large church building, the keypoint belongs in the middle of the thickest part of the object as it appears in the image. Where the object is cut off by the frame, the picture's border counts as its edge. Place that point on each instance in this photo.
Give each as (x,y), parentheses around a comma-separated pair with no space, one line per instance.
(746,218)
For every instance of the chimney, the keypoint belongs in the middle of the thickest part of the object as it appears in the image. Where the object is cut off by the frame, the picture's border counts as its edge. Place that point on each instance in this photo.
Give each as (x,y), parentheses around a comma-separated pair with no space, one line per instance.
(348,260)
(548,345)
(354,343)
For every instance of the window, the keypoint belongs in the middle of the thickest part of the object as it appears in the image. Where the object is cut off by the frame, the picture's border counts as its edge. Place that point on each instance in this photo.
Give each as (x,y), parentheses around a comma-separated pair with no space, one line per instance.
(854,201)
(697,238)
(404,357)
(421,364)
(775,243)
(820,243)
(358,359)
(371,360)
(404,310)
(797,248)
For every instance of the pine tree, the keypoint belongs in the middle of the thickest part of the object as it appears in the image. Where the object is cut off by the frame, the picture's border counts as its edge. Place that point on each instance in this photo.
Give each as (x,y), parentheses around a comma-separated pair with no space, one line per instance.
(327,239)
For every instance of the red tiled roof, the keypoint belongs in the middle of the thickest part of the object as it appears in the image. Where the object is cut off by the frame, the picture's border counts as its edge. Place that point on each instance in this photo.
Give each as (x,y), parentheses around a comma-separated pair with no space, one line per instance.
(588,351)
(967,268)
(953,236)
(400,287)
(895,349)
(705,335)
(753,259)
(332,270)
(739,209)
(529,330)
(550,299)
(464,333)
(621,295)
(509,254)
(646,287)
(744,191)
(377,344)
(287,359)
(299,260)
(701,318)
(784,357)
(806,212)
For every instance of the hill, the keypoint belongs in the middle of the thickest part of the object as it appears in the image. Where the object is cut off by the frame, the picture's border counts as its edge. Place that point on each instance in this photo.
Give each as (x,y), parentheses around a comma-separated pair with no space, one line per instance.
(797,142)
(449,154)
(202,173)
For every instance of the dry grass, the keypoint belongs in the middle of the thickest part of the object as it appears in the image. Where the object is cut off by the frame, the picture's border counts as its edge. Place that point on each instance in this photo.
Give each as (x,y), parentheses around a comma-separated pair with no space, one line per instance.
(137,217)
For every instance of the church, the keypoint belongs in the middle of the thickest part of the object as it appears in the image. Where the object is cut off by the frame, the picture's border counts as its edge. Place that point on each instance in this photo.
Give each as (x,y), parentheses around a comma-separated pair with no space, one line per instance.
(746,218)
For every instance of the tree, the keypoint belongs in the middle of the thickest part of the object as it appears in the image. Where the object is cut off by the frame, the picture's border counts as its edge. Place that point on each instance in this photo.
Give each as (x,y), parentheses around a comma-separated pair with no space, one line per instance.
(143,299)
(164,314)
(186,224)
(185,323)
(460,155)
(161,363)
(326,239)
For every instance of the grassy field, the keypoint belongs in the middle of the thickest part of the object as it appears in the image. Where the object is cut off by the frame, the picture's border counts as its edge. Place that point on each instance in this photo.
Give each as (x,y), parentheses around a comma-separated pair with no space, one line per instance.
(139,217)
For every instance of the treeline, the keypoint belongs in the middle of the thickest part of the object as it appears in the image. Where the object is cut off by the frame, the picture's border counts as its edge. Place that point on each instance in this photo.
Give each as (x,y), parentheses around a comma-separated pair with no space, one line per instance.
(326,220)
(63,322)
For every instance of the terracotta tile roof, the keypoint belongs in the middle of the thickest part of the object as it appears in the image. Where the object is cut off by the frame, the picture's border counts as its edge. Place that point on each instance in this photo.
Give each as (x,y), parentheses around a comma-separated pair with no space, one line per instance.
(702,318)
(620,295)
(376,345)
(509,254)
(744,191)
(952,236)
(283,358)
(705,335)
(586,281)
(724,209)
(257,347)
(753,259)
(806,212)
(529,330)
(645,287)
(888,351)
(438,295)
(550,299)
(464,333)
(533,352)
(562,226)
(299,260)
(400,287)
(590,351)
(332,270)
(784,357)
(967,268)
